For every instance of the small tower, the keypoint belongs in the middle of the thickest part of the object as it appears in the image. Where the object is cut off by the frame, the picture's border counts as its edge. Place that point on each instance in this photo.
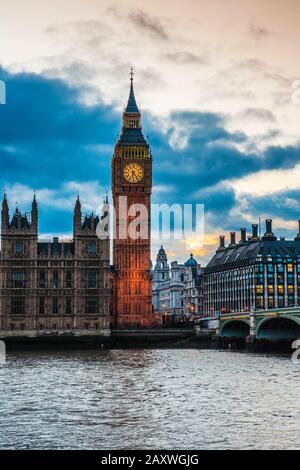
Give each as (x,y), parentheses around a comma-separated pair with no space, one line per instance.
(161,272)
(4,215)
(34,216)
(77,217)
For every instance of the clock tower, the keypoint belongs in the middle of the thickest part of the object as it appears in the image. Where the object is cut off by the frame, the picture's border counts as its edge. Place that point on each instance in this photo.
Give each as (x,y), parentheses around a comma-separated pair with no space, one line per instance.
(131,187)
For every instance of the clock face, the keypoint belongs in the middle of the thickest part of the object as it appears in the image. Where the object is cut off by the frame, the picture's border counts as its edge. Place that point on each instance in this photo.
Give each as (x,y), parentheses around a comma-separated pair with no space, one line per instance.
(133,172)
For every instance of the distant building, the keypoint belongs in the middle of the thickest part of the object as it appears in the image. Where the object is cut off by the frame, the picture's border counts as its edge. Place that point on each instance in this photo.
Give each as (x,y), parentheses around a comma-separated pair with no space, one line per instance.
(254,273)
(57,285)
(177,289)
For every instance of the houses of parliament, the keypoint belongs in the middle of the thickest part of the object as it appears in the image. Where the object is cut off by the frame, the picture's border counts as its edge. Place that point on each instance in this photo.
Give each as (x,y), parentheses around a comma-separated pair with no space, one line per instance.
(71,286)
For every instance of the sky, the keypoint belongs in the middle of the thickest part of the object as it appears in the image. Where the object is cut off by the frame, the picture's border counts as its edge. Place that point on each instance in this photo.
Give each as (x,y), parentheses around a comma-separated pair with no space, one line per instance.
(218,84)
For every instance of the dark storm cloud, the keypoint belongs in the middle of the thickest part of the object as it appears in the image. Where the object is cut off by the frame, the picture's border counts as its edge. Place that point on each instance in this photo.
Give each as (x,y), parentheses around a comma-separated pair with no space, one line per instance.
(150,24)
(47,136)
(285,204)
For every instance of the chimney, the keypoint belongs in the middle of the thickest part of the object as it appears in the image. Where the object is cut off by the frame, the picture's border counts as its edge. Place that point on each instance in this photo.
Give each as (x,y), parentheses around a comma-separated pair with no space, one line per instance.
(255,231)
(232,238)
(269,235)
(243,236)
(268,226)
(222,244)
(297,238)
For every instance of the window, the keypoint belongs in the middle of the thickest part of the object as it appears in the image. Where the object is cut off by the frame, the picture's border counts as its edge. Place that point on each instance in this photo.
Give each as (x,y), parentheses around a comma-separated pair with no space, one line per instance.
(68,305)
(92,248)
(55,305)
(69,279)
(92,279)
(19,248)
(259,289)
(42,282)
(280,290)
(280,268)
(17,306)
(290,268)
(55,280)
(18,278)
(42,306)
(92,305)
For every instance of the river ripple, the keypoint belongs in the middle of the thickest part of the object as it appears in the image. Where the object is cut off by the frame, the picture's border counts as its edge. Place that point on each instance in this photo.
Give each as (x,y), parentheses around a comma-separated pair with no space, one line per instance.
(149,399)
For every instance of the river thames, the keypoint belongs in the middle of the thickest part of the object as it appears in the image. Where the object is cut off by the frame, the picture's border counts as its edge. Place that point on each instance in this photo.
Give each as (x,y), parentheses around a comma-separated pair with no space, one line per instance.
(149,399)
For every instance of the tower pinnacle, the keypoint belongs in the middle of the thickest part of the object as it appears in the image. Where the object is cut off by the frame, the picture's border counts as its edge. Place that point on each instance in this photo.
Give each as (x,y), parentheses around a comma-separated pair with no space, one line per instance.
(131,107)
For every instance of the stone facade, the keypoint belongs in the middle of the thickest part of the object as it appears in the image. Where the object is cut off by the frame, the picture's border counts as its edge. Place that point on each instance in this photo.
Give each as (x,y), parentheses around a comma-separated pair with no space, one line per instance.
(57,286)
(177,289)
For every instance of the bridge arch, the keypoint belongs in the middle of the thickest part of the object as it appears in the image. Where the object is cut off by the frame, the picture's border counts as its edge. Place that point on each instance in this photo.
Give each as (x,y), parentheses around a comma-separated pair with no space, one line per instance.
(235,329)
(284,327)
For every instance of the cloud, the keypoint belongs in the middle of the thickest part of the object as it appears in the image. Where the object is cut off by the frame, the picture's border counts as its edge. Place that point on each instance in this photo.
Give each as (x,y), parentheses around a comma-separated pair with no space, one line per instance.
(185,58)
(150,24)
(258,32)
(58,146)
(257,114)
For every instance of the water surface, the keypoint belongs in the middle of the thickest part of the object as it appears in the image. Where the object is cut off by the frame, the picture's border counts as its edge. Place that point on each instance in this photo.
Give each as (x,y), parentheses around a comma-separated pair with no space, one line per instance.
(149,399)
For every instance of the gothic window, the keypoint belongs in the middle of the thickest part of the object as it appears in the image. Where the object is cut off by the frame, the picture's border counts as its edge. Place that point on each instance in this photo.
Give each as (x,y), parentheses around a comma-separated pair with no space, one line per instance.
(55,305)
(92,305)
(17,306)
(42,306)
(92,279)
(68,305)
(92,248)
(69,279)
(18,278)
(42,282)
(55,280)
(19,247)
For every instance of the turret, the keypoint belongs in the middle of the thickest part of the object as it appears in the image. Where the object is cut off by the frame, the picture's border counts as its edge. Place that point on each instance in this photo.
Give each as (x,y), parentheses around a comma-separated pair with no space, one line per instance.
(77,216)
(34,215)
(4,215)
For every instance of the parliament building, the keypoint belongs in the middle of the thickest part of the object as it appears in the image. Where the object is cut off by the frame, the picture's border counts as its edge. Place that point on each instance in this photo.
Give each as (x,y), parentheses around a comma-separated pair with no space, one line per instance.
(69,287)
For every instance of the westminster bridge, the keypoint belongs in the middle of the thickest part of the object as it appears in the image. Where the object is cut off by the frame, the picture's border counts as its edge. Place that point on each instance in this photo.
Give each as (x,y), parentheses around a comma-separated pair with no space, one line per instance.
(273,325)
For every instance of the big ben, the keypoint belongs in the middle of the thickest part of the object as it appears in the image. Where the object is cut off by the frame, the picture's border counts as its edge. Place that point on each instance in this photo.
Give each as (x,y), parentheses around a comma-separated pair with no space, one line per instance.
(131,188)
